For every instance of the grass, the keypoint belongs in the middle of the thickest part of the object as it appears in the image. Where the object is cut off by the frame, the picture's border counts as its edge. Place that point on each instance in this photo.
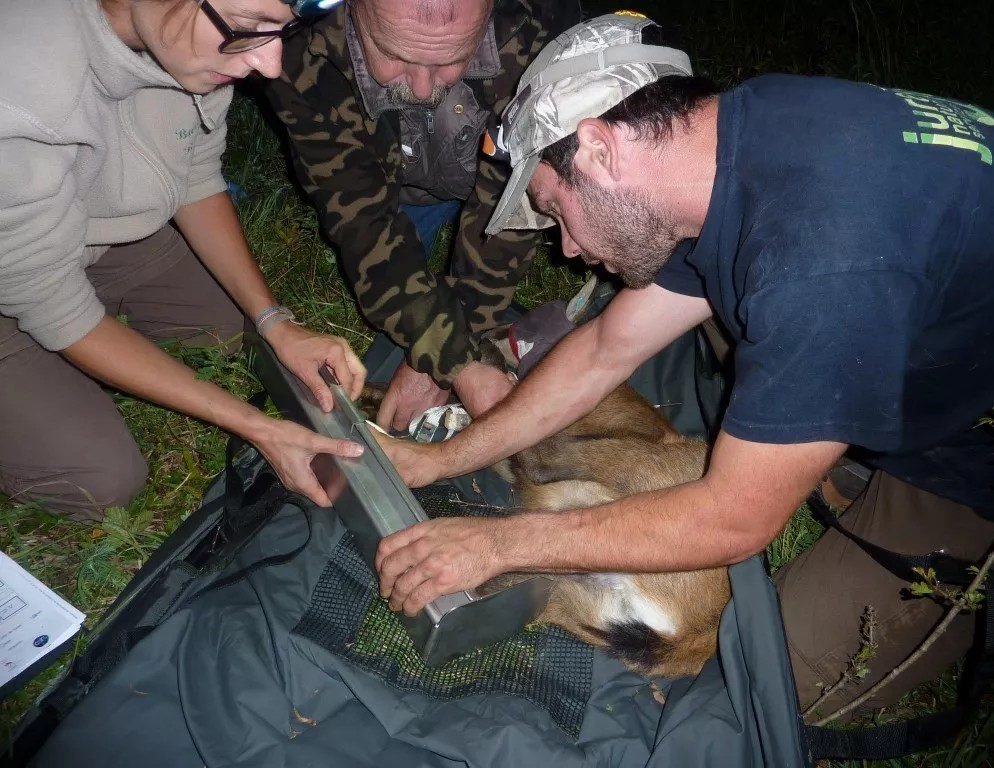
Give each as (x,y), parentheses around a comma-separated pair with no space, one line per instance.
(937,48)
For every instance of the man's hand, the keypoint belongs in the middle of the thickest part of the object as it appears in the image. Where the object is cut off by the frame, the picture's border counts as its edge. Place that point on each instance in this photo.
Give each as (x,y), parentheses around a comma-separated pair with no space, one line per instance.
(480,387)
(289,448)
(439,557)
(304,352)
(418,464)
(410,394)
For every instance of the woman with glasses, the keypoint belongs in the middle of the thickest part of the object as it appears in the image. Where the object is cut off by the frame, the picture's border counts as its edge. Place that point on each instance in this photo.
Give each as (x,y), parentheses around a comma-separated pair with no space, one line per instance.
(112,203)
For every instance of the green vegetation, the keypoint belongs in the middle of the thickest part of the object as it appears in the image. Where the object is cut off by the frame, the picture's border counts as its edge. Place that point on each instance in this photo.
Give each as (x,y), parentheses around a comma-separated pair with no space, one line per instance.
(382,636)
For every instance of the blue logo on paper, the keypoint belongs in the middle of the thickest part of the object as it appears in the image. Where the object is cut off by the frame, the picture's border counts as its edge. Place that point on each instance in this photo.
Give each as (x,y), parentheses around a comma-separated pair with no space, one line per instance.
(40,641)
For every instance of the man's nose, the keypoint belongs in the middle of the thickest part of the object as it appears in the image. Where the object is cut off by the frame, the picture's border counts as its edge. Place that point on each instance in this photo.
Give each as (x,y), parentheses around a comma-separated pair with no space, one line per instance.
(570,248)
(421,80)
(267,59)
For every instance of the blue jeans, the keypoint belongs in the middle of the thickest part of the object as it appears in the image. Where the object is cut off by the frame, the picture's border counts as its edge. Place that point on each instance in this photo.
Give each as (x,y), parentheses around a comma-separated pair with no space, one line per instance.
(428,219)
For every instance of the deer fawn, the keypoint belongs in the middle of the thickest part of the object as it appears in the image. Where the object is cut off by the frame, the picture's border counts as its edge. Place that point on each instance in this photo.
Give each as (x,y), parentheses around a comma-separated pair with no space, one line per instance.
(658,624)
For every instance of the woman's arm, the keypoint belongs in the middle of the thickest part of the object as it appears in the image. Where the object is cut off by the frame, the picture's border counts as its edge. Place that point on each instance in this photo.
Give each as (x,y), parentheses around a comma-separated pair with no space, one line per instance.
(212,229)
(124,359)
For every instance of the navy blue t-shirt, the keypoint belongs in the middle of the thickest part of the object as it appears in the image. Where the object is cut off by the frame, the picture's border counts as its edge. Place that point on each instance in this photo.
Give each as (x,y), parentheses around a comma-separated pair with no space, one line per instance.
(849,249)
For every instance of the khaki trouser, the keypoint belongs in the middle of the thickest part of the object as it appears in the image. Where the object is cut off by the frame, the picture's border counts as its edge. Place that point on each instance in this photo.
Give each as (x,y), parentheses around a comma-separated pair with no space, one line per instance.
(825,590)
(62,440)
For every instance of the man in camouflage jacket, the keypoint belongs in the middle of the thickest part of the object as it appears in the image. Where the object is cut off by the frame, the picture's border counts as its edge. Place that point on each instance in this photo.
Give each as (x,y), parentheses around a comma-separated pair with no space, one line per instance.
(364,154)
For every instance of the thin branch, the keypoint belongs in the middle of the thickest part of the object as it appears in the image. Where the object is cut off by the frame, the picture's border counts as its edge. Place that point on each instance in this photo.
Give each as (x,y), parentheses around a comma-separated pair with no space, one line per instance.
(920,651)
(867,649)
(827,693)
(365,336)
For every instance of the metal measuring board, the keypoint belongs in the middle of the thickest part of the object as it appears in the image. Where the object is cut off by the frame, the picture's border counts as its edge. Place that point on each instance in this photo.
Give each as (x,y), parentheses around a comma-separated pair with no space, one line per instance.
(373,502)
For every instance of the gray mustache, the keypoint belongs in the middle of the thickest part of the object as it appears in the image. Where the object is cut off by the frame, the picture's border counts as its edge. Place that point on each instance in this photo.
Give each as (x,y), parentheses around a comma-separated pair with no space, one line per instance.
(401,93)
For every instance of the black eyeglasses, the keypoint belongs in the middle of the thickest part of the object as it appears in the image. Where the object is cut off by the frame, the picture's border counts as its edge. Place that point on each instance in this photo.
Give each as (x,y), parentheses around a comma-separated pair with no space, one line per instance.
(236,40)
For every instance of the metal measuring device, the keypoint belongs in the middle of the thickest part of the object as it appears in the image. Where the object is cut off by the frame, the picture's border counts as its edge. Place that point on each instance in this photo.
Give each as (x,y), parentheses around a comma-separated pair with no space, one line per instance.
(373,502)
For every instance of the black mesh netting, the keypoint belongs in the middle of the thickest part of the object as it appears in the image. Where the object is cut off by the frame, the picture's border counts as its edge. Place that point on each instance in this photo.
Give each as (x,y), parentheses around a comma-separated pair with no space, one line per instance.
(546,665)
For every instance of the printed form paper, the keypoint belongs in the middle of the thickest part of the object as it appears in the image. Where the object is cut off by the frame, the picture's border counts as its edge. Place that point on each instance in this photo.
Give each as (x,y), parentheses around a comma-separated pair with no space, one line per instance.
(33,619)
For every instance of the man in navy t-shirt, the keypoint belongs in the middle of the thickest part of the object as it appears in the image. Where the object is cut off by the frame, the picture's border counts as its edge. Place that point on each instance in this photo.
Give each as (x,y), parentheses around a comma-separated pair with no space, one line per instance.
(843,235)
(849,251)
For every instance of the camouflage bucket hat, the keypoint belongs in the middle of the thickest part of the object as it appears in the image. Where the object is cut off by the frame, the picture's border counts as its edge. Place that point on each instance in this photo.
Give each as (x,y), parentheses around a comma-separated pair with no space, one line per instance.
(582,73)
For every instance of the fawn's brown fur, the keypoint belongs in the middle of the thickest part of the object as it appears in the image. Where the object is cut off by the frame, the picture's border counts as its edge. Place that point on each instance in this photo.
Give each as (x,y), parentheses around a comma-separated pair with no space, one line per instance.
(658,624)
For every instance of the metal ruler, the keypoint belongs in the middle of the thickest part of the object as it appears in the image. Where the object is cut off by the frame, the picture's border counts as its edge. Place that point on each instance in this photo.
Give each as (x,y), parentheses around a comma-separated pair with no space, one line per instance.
(373,502)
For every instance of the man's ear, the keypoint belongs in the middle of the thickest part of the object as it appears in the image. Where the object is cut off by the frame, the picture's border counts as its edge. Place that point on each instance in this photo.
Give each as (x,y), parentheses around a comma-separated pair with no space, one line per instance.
(597,153)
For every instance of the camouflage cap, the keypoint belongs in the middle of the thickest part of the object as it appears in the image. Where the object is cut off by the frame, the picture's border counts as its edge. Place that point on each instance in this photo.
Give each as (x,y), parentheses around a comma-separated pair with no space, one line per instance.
(584,72)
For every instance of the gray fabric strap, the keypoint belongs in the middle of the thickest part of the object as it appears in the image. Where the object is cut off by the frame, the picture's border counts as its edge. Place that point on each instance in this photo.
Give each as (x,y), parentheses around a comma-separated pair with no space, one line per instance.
(632,53)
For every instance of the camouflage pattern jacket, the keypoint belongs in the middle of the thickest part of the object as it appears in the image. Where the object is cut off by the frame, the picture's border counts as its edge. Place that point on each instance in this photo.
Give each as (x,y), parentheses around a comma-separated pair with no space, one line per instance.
(359,157)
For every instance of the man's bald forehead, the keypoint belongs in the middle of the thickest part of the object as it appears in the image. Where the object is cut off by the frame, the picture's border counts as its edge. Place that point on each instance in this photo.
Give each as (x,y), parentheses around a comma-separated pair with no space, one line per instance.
(437,12)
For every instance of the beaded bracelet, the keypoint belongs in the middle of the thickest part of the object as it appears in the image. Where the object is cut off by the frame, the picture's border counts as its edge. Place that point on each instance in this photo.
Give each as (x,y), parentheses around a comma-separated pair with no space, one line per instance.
(278,314)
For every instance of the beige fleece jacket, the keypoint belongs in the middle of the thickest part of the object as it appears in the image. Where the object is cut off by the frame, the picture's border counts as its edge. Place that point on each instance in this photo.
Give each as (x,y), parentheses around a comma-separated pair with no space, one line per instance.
(98,146)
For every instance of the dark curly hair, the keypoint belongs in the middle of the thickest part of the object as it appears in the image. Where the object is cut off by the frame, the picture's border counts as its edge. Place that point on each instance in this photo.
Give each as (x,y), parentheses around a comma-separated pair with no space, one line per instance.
(649,113)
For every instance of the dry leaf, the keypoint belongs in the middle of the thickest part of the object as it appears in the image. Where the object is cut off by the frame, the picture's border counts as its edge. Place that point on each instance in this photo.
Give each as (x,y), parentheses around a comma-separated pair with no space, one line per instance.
(301,718)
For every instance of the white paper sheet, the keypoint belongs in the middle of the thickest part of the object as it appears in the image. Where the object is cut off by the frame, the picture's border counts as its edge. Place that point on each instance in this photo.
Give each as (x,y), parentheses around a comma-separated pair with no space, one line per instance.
(33,619)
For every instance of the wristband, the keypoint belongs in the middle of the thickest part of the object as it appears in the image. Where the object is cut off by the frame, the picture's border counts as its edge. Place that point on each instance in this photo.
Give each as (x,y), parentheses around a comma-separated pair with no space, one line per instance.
(273,315)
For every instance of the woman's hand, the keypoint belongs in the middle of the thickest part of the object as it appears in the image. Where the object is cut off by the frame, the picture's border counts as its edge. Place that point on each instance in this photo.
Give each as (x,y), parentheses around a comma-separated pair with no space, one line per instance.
(290,448)
(304,352)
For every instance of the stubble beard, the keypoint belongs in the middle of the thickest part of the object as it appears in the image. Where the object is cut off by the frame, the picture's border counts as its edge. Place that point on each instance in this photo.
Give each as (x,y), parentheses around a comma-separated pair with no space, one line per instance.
(636,238)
